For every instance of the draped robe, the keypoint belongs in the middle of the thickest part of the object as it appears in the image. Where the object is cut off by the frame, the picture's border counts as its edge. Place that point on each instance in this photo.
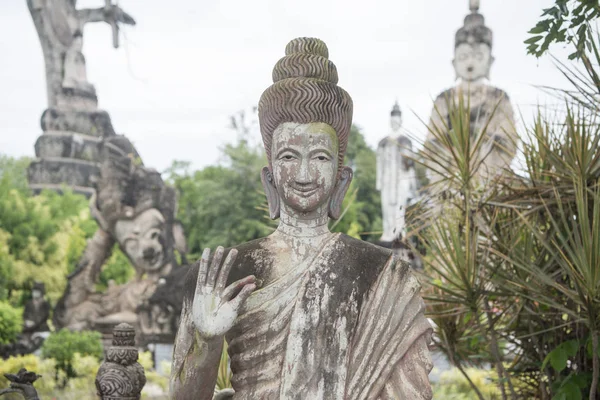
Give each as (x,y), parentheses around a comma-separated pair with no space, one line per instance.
(348,326)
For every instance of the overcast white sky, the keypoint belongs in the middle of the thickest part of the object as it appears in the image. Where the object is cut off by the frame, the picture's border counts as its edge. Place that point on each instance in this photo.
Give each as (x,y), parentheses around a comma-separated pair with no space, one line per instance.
(189,64)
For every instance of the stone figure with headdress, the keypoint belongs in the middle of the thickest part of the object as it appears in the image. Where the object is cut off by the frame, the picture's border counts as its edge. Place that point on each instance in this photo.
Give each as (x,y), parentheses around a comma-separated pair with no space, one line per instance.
(489,106)
(307,313)
(134,209)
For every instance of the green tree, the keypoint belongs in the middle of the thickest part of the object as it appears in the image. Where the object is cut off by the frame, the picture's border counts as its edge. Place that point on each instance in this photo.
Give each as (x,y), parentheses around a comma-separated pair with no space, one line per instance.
(64,344)
(363,202)
(567,21)
(10,323)
(39,235)
(222,205)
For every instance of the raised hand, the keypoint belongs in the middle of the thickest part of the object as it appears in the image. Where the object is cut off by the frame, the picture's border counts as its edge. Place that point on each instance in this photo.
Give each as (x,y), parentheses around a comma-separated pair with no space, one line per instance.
(215,307)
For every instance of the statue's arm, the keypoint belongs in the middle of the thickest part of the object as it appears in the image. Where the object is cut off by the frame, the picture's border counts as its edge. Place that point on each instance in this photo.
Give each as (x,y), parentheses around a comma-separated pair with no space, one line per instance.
(379,173)
(504,130)
(410,378)
(82,282)
(195,361)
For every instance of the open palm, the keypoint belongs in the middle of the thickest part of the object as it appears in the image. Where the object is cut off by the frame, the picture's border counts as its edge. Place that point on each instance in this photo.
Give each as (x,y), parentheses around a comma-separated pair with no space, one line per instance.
(215,307)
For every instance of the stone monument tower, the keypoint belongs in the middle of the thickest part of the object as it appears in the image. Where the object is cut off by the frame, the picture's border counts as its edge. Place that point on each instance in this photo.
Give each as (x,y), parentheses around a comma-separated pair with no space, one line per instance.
(489,106)
(396,179)
(73,126)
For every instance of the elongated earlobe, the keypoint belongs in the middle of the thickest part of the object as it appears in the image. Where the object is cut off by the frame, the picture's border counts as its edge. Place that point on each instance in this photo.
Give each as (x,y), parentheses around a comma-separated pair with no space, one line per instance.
(271,192)
(343,183)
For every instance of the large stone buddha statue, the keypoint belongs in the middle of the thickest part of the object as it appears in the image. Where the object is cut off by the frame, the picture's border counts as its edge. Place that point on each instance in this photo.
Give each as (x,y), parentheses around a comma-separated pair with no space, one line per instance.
(490,107)
(307,314)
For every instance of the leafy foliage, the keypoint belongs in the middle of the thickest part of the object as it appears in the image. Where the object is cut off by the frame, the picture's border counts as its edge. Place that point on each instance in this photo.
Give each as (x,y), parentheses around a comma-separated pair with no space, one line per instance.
(567,21)
(453,385)
(11,322)
(363,201)
(62,346)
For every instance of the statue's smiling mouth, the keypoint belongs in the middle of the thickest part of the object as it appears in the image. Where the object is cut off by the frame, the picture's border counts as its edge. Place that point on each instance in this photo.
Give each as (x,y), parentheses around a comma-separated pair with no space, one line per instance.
(305,190)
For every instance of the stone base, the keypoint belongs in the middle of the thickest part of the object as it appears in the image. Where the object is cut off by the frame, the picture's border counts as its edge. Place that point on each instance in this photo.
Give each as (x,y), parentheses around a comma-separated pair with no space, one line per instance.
(50,173)
(63,144)
(60,189)
(92,123)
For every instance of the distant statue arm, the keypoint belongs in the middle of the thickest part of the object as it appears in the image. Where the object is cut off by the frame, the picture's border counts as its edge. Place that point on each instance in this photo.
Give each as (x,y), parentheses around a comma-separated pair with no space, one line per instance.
(379,171)
(102,15)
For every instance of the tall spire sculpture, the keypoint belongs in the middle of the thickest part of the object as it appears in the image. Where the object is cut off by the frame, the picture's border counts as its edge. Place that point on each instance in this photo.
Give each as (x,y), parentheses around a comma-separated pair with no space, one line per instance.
(73,126)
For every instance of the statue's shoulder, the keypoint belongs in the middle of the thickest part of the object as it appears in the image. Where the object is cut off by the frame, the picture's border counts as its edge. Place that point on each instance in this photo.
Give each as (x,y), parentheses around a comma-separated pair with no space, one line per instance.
(446,94)
(254,258)
(383,142)
(247,254)
(499,93)
(363,259)
(362,247)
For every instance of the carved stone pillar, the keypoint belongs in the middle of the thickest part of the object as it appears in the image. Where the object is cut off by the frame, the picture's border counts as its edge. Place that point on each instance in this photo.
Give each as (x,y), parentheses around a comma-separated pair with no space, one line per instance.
(121,377)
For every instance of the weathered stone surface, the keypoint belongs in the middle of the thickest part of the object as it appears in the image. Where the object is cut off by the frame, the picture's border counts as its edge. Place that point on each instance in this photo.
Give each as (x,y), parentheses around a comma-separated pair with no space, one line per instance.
(335,317)
(57,144)
(59,171)
(121,377)
(92,123)
(396,178)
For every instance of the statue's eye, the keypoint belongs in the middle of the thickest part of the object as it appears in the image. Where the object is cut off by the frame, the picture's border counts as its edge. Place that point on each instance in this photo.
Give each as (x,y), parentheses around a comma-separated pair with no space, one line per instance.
(287,157)
(321,157)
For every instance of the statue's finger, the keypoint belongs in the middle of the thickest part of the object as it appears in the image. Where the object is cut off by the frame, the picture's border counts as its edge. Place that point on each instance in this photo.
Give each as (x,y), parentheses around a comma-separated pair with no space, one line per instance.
(236,287)
(224,272)
(215,266)
(202,270)
(238,300)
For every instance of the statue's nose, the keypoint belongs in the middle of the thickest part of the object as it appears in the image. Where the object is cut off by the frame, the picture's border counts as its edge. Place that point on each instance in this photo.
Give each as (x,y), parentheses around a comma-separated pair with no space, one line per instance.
(303,176)
(148,253)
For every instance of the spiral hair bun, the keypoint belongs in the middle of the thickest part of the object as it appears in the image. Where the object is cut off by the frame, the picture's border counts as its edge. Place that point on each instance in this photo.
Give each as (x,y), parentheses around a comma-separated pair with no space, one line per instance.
(305,90)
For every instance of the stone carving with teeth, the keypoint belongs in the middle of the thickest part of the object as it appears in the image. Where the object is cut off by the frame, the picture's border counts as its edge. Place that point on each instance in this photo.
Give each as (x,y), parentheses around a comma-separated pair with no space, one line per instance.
(307,314)
(136,210)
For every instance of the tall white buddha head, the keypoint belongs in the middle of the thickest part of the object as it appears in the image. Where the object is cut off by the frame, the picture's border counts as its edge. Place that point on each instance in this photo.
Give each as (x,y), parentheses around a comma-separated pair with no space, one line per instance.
(473,47)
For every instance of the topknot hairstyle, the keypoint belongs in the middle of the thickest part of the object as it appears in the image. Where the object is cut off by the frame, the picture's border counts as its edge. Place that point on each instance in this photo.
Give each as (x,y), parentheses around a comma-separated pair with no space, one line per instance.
(305,90)
(473,31)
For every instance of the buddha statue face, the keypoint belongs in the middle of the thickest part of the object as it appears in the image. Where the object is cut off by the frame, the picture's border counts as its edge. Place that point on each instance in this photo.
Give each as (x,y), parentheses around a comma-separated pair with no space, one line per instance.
(304,159)
(142,239)
(472,61)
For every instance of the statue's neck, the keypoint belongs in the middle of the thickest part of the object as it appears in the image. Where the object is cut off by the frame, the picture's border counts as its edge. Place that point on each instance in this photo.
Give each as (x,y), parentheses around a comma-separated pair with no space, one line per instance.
(296,224)
(474,83)
(395,133)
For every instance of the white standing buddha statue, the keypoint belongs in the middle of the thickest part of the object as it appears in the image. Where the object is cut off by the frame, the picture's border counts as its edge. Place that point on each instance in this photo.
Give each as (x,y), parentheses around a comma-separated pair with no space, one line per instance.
(396,179)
